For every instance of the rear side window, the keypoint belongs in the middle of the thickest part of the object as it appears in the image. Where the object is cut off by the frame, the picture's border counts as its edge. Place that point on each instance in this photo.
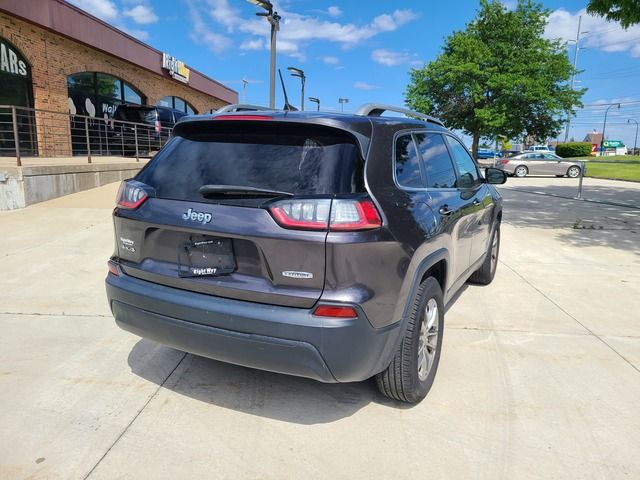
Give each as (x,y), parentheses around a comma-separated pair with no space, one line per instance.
(164,115)
(407,163)
(299,160)
(438,167)
(468,176)
(134,114)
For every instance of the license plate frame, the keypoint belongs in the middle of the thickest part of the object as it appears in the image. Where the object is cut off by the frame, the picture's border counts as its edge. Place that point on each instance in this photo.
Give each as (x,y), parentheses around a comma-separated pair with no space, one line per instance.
(206,257)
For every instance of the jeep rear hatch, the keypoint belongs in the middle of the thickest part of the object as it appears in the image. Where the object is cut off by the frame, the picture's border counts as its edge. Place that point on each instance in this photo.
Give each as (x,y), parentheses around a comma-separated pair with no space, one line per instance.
(242,209)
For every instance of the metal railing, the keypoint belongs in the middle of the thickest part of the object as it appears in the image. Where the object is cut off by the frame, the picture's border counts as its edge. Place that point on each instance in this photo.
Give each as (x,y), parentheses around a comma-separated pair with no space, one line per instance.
(30,132)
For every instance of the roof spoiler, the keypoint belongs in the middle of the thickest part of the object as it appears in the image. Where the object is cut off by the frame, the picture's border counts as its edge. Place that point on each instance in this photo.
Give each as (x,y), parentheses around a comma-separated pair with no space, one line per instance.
(377,109)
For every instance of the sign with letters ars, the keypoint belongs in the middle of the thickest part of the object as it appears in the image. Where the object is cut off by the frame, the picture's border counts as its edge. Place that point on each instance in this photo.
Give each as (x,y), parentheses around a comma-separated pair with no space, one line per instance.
(11,61)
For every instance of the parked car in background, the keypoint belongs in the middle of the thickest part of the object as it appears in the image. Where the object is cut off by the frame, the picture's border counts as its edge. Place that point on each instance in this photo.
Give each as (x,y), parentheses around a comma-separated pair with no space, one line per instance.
(487,153)
(540,148)
(539,163)
(153,129)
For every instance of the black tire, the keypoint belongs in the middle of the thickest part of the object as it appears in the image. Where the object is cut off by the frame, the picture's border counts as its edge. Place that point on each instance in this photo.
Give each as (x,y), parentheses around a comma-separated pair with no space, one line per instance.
(521,168)
(402,380)
(485,274)
(573,171)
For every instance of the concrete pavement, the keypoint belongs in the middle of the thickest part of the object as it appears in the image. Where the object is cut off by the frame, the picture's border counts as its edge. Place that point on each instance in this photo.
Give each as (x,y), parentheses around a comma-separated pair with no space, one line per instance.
(539,378)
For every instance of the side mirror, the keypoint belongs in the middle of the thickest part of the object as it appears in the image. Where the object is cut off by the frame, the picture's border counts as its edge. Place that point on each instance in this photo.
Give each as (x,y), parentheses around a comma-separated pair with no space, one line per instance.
(495,176)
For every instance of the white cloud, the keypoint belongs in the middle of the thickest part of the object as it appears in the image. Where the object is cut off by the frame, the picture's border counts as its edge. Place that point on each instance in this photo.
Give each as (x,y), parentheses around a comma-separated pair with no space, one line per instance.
(334,11)
(141,14)
(201,34)
(365,86)
(104,9)
(329,60)
(297,30)
(391,58)
(602,34)
(253,44)
(224,14)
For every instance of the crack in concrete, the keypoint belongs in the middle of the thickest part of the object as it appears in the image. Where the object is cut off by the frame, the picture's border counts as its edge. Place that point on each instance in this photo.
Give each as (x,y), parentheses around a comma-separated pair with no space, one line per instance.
(151,397)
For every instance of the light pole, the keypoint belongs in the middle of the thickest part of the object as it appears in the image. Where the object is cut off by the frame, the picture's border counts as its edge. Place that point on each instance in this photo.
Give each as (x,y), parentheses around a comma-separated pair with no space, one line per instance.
(274,20)
(315,100)
(604,127)
(296,72)
(244,89)
(635,142)
(342,101)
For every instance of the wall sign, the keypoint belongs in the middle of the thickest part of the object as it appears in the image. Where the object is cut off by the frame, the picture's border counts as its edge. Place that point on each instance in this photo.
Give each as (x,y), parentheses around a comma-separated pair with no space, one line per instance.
(11,61)
(176,68)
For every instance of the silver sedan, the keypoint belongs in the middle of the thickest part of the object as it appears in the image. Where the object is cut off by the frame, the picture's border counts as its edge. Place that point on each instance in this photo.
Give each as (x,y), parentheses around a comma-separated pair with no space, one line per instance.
(538,163)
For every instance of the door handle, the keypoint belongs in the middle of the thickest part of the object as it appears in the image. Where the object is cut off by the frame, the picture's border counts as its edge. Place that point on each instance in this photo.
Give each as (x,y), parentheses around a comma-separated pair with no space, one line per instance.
(445,211)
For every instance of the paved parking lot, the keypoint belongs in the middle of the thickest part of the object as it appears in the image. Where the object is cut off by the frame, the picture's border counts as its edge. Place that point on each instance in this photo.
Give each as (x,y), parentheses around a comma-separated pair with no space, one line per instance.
(539,378)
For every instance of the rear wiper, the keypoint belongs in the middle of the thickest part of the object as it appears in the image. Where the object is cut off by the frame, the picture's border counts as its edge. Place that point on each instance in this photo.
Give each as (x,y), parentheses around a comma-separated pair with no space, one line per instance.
(240,191)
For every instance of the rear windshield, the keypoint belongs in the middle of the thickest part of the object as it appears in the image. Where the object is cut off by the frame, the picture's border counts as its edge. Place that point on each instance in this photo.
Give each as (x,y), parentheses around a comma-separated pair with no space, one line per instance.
(136,114)
(302,161)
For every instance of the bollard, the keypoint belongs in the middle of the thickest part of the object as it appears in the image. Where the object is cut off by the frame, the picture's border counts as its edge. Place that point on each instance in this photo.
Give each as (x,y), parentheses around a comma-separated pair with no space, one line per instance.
(582,167)
(86,134)
(16,138)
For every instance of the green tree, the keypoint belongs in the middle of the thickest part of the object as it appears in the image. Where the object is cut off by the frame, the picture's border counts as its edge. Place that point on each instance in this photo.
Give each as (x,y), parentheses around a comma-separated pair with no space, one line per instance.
(499,77)
(627,12)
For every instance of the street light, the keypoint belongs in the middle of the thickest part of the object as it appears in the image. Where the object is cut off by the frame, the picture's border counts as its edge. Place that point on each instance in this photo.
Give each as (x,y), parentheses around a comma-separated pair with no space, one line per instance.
(342,101)
(274,20)
(604,127)
(635,142)
(315,100)
(296,72)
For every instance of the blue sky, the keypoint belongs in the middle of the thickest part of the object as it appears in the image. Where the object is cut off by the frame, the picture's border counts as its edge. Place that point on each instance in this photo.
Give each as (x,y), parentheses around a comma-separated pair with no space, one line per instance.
(364,54)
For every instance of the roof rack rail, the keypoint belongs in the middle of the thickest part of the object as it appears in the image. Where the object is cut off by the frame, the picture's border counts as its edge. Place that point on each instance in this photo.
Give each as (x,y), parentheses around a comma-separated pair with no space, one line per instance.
(242,107)
(377,109)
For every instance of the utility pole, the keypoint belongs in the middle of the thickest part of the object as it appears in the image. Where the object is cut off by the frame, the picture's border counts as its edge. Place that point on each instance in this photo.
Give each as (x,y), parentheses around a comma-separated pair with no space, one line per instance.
(573,74)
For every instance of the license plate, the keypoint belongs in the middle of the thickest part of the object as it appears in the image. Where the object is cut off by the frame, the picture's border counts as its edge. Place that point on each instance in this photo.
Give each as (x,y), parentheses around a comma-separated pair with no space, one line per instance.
(206,256)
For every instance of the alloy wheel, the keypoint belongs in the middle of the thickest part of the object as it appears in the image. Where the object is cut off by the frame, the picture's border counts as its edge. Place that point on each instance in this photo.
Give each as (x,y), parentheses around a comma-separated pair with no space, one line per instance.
(428,343)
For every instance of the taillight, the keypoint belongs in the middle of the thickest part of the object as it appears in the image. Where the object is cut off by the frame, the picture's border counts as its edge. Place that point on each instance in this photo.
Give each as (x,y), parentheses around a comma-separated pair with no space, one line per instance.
(335,311)
(349,215)
(158,126)
(320,214)
(131,195)
(305,214)
(503,162)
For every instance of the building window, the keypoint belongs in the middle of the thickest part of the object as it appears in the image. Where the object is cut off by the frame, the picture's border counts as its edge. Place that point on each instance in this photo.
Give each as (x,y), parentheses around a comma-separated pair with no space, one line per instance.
(177,103)
(15,89)
(98,94)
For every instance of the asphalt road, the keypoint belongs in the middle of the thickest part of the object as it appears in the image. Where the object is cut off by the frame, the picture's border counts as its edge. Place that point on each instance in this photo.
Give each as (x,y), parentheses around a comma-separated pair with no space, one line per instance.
(539,377)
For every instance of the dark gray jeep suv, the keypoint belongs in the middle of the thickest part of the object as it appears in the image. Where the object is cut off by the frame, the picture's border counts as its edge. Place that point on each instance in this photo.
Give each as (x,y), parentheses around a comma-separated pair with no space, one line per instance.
(320,245)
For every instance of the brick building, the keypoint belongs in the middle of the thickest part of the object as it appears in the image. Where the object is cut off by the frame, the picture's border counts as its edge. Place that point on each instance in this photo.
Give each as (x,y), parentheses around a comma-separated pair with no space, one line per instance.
(56,57)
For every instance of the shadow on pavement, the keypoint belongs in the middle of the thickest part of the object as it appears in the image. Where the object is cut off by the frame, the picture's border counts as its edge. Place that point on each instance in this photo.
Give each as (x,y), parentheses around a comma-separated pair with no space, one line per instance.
(582,223)
(616,193)
(255,392)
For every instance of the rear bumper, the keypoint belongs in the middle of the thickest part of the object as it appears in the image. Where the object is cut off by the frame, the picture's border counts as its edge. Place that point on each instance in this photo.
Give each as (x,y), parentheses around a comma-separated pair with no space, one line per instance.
(274,338)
